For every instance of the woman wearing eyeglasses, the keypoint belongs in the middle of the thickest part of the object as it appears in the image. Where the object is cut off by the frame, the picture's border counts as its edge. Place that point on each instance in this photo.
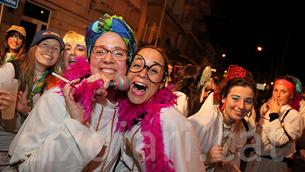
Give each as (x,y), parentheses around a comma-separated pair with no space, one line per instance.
(157,136)
(72,127)
(13,47)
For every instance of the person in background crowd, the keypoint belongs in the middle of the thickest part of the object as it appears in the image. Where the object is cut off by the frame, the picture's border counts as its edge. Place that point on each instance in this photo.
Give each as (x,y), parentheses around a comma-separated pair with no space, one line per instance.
(43,57)
(13,47)
(75,131)
(220,124)
(75,47)
(188,101)
(169,79)
(207,83)
(278,128)
(157,136)
(298,163)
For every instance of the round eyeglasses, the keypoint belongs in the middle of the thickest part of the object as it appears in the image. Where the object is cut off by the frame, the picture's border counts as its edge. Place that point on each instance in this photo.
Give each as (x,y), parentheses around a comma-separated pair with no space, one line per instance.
(117,53)
(16,37)
(155,72)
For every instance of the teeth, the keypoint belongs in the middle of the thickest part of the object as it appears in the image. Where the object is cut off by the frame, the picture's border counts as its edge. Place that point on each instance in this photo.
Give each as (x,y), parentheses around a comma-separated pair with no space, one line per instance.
(47,57)
(139,83)
(108,70)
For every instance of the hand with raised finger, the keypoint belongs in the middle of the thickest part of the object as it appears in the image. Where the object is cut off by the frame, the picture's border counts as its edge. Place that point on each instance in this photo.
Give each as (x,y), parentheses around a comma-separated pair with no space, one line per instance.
(215,154)
(5,99)
(274,105)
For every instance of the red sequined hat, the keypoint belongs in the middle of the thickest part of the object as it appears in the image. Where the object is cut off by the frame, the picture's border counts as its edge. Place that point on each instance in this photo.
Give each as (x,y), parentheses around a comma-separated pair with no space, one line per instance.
(235,71)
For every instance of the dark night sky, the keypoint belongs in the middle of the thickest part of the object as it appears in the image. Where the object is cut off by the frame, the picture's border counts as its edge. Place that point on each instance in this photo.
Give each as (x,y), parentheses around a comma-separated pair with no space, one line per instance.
(238,26)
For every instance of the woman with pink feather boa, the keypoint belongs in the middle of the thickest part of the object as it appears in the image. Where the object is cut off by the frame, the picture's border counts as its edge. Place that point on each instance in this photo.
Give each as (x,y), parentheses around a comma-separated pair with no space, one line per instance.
(157,136)
(72,127)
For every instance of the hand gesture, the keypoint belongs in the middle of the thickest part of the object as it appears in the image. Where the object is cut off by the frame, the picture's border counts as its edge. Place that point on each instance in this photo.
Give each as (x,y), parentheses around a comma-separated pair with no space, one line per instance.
(215,154)
(74,109)
(99,76)
(22,103)
(274,105)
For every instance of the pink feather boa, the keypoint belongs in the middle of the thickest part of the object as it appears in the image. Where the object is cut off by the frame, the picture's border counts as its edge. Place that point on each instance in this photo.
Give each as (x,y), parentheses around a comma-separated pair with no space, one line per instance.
(85,91)
(148,115)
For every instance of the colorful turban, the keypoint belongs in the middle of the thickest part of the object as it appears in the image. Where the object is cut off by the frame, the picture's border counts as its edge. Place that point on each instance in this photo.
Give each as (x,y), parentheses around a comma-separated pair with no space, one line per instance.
(115,24)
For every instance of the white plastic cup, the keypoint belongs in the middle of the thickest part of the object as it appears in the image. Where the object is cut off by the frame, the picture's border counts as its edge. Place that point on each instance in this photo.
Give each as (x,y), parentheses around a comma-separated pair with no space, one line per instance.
(12,87)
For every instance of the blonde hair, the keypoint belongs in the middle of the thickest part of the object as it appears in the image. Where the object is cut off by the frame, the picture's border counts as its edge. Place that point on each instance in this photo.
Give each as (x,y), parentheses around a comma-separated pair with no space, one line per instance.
(73,37)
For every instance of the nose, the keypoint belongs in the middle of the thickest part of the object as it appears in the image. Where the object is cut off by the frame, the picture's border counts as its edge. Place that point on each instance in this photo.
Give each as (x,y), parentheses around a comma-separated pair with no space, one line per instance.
(108,58)
(241,104)
(72,52)
(144,72)
(278,94)
(50,49)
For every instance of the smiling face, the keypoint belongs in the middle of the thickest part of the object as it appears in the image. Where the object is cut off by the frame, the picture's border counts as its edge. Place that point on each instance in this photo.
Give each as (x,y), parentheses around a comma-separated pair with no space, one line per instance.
(107,65)
(238,103)
(142,87)
(14,41)
(47,54)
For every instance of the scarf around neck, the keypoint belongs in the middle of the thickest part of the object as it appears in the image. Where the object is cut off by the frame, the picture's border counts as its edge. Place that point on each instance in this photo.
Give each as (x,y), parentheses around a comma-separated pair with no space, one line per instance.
(40,84)
(148,115)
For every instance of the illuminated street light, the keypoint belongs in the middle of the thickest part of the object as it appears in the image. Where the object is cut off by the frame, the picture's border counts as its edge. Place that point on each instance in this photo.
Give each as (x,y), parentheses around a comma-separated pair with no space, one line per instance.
(259,48)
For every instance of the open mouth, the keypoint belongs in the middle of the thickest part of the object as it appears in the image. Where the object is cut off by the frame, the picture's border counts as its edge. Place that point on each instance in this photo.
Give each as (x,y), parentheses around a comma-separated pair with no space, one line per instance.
(71,60)
(139,88)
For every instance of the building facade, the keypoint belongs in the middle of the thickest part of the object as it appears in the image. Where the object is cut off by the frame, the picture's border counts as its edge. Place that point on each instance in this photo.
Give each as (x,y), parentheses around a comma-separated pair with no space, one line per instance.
(170,24)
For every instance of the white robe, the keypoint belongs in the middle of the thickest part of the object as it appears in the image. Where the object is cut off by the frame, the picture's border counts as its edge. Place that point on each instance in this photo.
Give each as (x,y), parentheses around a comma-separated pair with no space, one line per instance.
(50,140)
(209,127)
(273,141)
(179,139)
(182,104)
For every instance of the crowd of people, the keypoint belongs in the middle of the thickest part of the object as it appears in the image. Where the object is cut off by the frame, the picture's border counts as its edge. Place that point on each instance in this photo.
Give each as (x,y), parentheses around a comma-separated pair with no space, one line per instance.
(97,102)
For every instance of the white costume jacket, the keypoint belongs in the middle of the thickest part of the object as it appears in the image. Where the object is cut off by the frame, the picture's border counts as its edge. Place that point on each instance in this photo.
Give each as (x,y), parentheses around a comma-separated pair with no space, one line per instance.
(211,131)
(276,139)
(179,139)
(50,140)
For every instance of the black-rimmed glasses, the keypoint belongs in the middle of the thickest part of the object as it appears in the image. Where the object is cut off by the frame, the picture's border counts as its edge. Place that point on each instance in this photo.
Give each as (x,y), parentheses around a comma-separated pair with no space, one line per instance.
(154,72)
